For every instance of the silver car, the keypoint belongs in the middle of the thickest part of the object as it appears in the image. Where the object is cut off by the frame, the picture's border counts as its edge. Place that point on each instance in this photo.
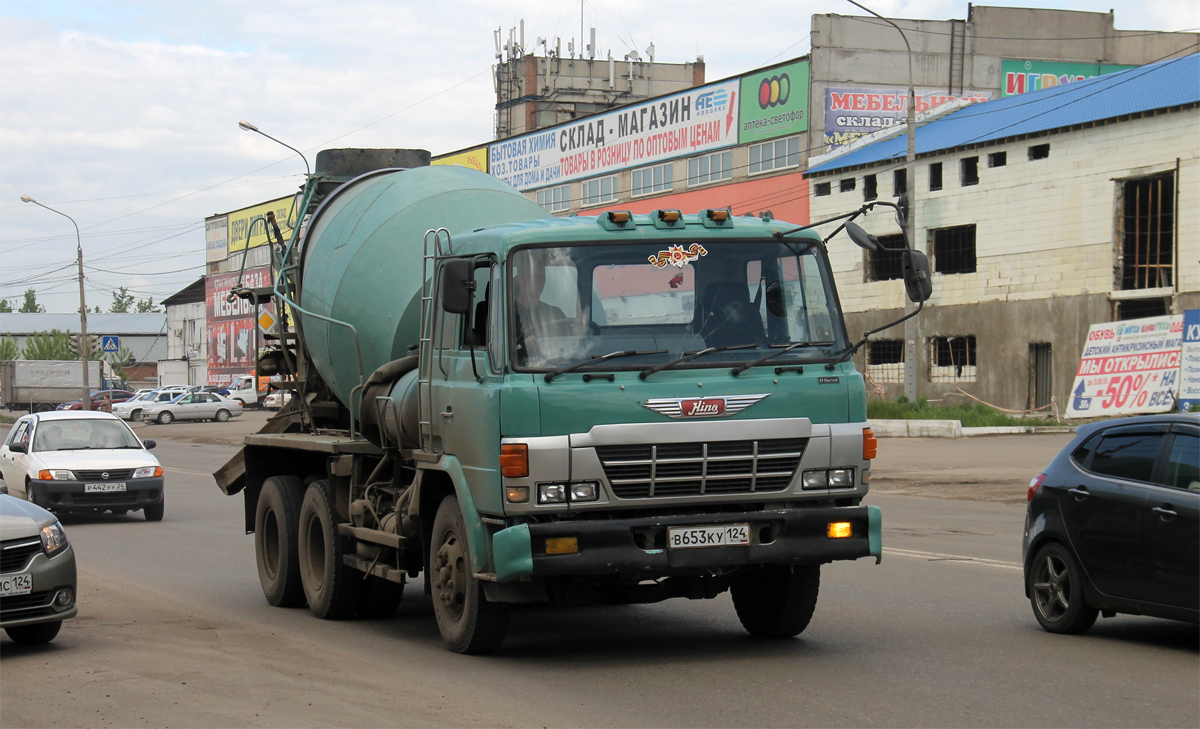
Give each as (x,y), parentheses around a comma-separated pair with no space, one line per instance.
(193,406)
(37,572)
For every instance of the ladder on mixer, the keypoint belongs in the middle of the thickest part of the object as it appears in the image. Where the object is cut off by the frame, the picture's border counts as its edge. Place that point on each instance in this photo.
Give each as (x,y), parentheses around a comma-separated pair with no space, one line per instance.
(432,251)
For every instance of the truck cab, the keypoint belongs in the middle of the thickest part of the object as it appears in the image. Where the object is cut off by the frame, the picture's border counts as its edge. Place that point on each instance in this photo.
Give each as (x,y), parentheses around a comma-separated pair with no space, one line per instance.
(244,389)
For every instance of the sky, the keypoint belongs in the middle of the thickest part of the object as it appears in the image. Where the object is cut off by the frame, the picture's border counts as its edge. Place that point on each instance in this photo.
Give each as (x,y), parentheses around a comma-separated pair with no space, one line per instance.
(123,114)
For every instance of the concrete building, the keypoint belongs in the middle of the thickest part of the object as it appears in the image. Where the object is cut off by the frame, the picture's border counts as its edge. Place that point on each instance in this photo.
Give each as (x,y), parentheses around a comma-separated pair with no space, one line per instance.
(1041,215)
(187,334)
(142,335)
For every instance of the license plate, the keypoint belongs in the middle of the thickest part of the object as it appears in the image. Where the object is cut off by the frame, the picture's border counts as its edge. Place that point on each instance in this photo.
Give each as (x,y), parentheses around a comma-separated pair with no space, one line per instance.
(708,536)
(18,584)
(92,488)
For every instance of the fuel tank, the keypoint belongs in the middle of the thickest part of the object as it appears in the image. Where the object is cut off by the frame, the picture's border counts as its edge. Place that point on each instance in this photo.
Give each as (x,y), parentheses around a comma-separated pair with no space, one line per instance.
(362,260)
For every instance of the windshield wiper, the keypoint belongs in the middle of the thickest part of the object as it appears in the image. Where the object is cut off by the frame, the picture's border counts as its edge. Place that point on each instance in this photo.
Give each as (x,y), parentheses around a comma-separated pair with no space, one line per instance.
(786,348)
(687,357)
(596,360)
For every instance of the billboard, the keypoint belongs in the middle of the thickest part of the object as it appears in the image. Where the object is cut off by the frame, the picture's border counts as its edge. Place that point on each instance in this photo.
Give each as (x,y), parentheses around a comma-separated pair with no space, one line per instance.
(774,103)
(252,221)
(851,113)
(1189,370)
(231,325)
(475,159)
(690,122)
(216,238)
(1128,367)
(1021,77)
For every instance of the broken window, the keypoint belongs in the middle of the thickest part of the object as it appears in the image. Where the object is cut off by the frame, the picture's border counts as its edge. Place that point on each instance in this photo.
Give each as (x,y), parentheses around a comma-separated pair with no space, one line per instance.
(935,176)
(952,359)
(954,249)
(969,167)
(1147,231)
(885,360)
(884,263)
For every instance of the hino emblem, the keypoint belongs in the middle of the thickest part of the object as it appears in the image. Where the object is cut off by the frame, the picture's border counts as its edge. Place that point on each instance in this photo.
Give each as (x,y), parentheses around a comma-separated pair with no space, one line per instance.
(104,475)
(702,407)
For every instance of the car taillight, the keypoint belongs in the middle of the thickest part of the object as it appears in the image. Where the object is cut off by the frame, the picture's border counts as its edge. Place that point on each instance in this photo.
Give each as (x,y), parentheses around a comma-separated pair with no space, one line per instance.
(1034,485)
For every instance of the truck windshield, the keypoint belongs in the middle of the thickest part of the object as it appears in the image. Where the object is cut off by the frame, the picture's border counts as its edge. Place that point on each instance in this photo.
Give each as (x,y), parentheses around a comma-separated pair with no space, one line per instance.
(748,298)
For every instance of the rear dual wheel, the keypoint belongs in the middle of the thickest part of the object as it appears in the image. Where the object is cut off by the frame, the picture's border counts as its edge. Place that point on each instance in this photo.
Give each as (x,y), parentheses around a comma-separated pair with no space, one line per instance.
(276,523)
(331,587)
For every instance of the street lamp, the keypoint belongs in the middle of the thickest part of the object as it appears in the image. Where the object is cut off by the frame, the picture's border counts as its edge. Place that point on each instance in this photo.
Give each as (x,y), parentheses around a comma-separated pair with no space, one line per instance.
(86,401)
(247,126)
(911,327)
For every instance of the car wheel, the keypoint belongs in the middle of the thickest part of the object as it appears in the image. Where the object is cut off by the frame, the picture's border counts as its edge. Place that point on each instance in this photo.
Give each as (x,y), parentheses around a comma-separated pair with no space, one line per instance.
(776,601)
(154,512)
(330,586)
(276,521)
(34,634)
(136,416)
(222,416)
(165,417)
(1056,591)
(467,621)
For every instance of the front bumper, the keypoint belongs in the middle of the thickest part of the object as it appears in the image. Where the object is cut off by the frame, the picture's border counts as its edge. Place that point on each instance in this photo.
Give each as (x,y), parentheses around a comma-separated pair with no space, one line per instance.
(606,547)
(50,575)
(73,496)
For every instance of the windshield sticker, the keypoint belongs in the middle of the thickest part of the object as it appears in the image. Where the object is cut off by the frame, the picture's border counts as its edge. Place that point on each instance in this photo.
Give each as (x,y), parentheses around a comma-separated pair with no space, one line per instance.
(677,256)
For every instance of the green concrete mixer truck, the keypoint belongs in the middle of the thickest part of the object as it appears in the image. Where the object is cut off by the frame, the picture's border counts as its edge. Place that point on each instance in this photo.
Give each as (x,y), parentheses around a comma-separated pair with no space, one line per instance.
(517,408)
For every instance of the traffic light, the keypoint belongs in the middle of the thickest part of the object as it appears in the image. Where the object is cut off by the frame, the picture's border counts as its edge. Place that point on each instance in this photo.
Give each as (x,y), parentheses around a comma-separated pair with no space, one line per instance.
(74,345)
(94,351)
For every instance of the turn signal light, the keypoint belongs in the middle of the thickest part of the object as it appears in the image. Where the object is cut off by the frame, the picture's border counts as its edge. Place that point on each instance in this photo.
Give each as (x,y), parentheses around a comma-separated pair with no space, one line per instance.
(870,444)
(562,545)
(514,460)
(838,530)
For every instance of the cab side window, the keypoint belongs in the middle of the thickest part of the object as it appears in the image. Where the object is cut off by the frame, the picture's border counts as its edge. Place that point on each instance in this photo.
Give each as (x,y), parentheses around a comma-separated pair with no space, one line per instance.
(1183,463)
(1128,455)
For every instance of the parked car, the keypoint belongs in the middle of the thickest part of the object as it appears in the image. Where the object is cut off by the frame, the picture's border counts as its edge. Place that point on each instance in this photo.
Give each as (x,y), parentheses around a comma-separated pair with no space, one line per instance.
(132,409)
(1113,524)
(37,572)
(193,406)
(82,461)
(98,398)
(277,399)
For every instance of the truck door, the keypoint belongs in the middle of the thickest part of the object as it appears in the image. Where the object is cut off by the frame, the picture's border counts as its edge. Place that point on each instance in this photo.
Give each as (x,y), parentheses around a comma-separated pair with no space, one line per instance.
(466,410)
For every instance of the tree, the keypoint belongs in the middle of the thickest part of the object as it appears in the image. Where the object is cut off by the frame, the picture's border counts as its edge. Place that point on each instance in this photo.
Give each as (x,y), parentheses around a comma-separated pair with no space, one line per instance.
(95,310)
(8,348)
(5,307)
(49,345)
(147,306)
(122,301)
(30,304)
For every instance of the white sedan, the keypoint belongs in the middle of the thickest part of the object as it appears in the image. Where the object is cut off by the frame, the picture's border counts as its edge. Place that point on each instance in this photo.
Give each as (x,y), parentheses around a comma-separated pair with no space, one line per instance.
(72,460)
(193,406)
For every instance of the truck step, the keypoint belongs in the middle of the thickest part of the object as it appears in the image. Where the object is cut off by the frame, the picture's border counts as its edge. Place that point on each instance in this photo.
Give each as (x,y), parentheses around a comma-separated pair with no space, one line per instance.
(374,536)
(382,571)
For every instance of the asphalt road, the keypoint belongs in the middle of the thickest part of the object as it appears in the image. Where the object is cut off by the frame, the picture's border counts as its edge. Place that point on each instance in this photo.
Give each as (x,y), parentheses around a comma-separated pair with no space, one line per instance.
(173,631)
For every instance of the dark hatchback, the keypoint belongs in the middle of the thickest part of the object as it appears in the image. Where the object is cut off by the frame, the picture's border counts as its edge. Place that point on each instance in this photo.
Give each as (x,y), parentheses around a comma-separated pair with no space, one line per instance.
(1113,524)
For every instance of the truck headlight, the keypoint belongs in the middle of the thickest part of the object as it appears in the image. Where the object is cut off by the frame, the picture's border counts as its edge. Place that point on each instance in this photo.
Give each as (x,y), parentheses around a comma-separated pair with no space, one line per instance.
(584,491)
(552,493)
(841,478)
(54,539)
(57,474)
(815,480)
(148,472)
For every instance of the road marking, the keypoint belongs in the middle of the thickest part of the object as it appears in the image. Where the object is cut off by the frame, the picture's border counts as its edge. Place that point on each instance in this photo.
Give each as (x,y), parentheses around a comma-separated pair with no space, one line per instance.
(182,470)
(939,557)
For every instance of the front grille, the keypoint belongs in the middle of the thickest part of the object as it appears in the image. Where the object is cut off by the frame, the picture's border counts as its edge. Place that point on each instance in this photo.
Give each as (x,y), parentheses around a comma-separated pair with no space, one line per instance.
(29,605)
(692,469)
(116,474)
(15,554)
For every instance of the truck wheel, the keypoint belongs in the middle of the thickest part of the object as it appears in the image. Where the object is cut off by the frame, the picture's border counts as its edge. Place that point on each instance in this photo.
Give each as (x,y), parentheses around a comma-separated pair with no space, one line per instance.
(154,512)
(330,587)
(34,634)
(467,621)
(1056,592)
(776,601)
(379,598)
(276,521)
(165,417)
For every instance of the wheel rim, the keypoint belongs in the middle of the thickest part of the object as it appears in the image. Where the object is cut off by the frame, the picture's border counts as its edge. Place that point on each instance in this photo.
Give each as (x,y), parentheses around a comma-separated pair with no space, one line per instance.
(270,548)
(1052,588)
(314,545)
(450,566)
(222,416)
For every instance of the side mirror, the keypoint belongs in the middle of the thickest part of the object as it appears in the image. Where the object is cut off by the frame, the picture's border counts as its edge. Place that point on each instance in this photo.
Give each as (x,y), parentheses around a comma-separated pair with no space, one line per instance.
(861,238)
(149,444)
(775,302)
(918,281)
(458,285)
(17,448)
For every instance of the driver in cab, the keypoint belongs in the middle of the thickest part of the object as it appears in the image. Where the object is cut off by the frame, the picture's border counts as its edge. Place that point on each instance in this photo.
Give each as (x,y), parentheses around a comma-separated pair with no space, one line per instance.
(535,318)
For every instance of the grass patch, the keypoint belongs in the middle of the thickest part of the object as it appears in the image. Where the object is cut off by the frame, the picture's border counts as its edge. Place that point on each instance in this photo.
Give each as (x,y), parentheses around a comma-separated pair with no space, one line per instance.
(7,420)
(971,416)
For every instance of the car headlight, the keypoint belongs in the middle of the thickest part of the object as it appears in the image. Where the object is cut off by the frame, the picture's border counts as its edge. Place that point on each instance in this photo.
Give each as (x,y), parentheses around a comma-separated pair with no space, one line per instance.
(54,539)
(148,472)
(56,474)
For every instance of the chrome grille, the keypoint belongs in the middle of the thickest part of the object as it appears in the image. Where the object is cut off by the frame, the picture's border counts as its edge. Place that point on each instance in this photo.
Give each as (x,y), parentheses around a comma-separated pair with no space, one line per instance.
(691,469)
(116,474)
(14,555)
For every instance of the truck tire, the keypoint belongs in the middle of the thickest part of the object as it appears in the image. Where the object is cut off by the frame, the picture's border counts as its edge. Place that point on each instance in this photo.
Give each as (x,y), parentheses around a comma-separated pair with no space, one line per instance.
(776,601)
(379,598)
(34,634)
(467,621)
(331,587)
(276,521)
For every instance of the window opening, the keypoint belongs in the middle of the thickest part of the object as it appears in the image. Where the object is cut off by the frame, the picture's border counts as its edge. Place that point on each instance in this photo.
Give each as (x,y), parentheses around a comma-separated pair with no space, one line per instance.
(555,199)
(1147,232)
(774,155)
(870,188)
(600,190)
(652,179)
(710,168)
(885,263)
(823,189)
(997,159)
(1039,151)
(935,176)
(969,167)
(885,360)
(1142,308)
(846,185)
(954,249)
(953,359)
(899,182)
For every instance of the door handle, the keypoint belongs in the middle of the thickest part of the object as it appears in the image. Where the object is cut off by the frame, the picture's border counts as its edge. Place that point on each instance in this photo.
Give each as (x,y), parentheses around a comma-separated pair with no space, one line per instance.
(448,413)
(1080,492)
(1165,512)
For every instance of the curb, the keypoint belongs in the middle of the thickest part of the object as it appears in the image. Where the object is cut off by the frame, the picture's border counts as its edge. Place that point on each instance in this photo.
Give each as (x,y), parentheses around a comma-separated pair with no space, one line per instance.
(954,429)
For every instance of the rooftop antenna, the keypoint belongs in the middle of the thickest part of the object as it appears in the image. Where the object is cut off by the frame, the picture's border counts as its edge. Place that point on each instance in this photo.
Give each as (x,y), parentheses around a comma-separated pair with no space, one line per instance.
(496,38)
(592,46)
